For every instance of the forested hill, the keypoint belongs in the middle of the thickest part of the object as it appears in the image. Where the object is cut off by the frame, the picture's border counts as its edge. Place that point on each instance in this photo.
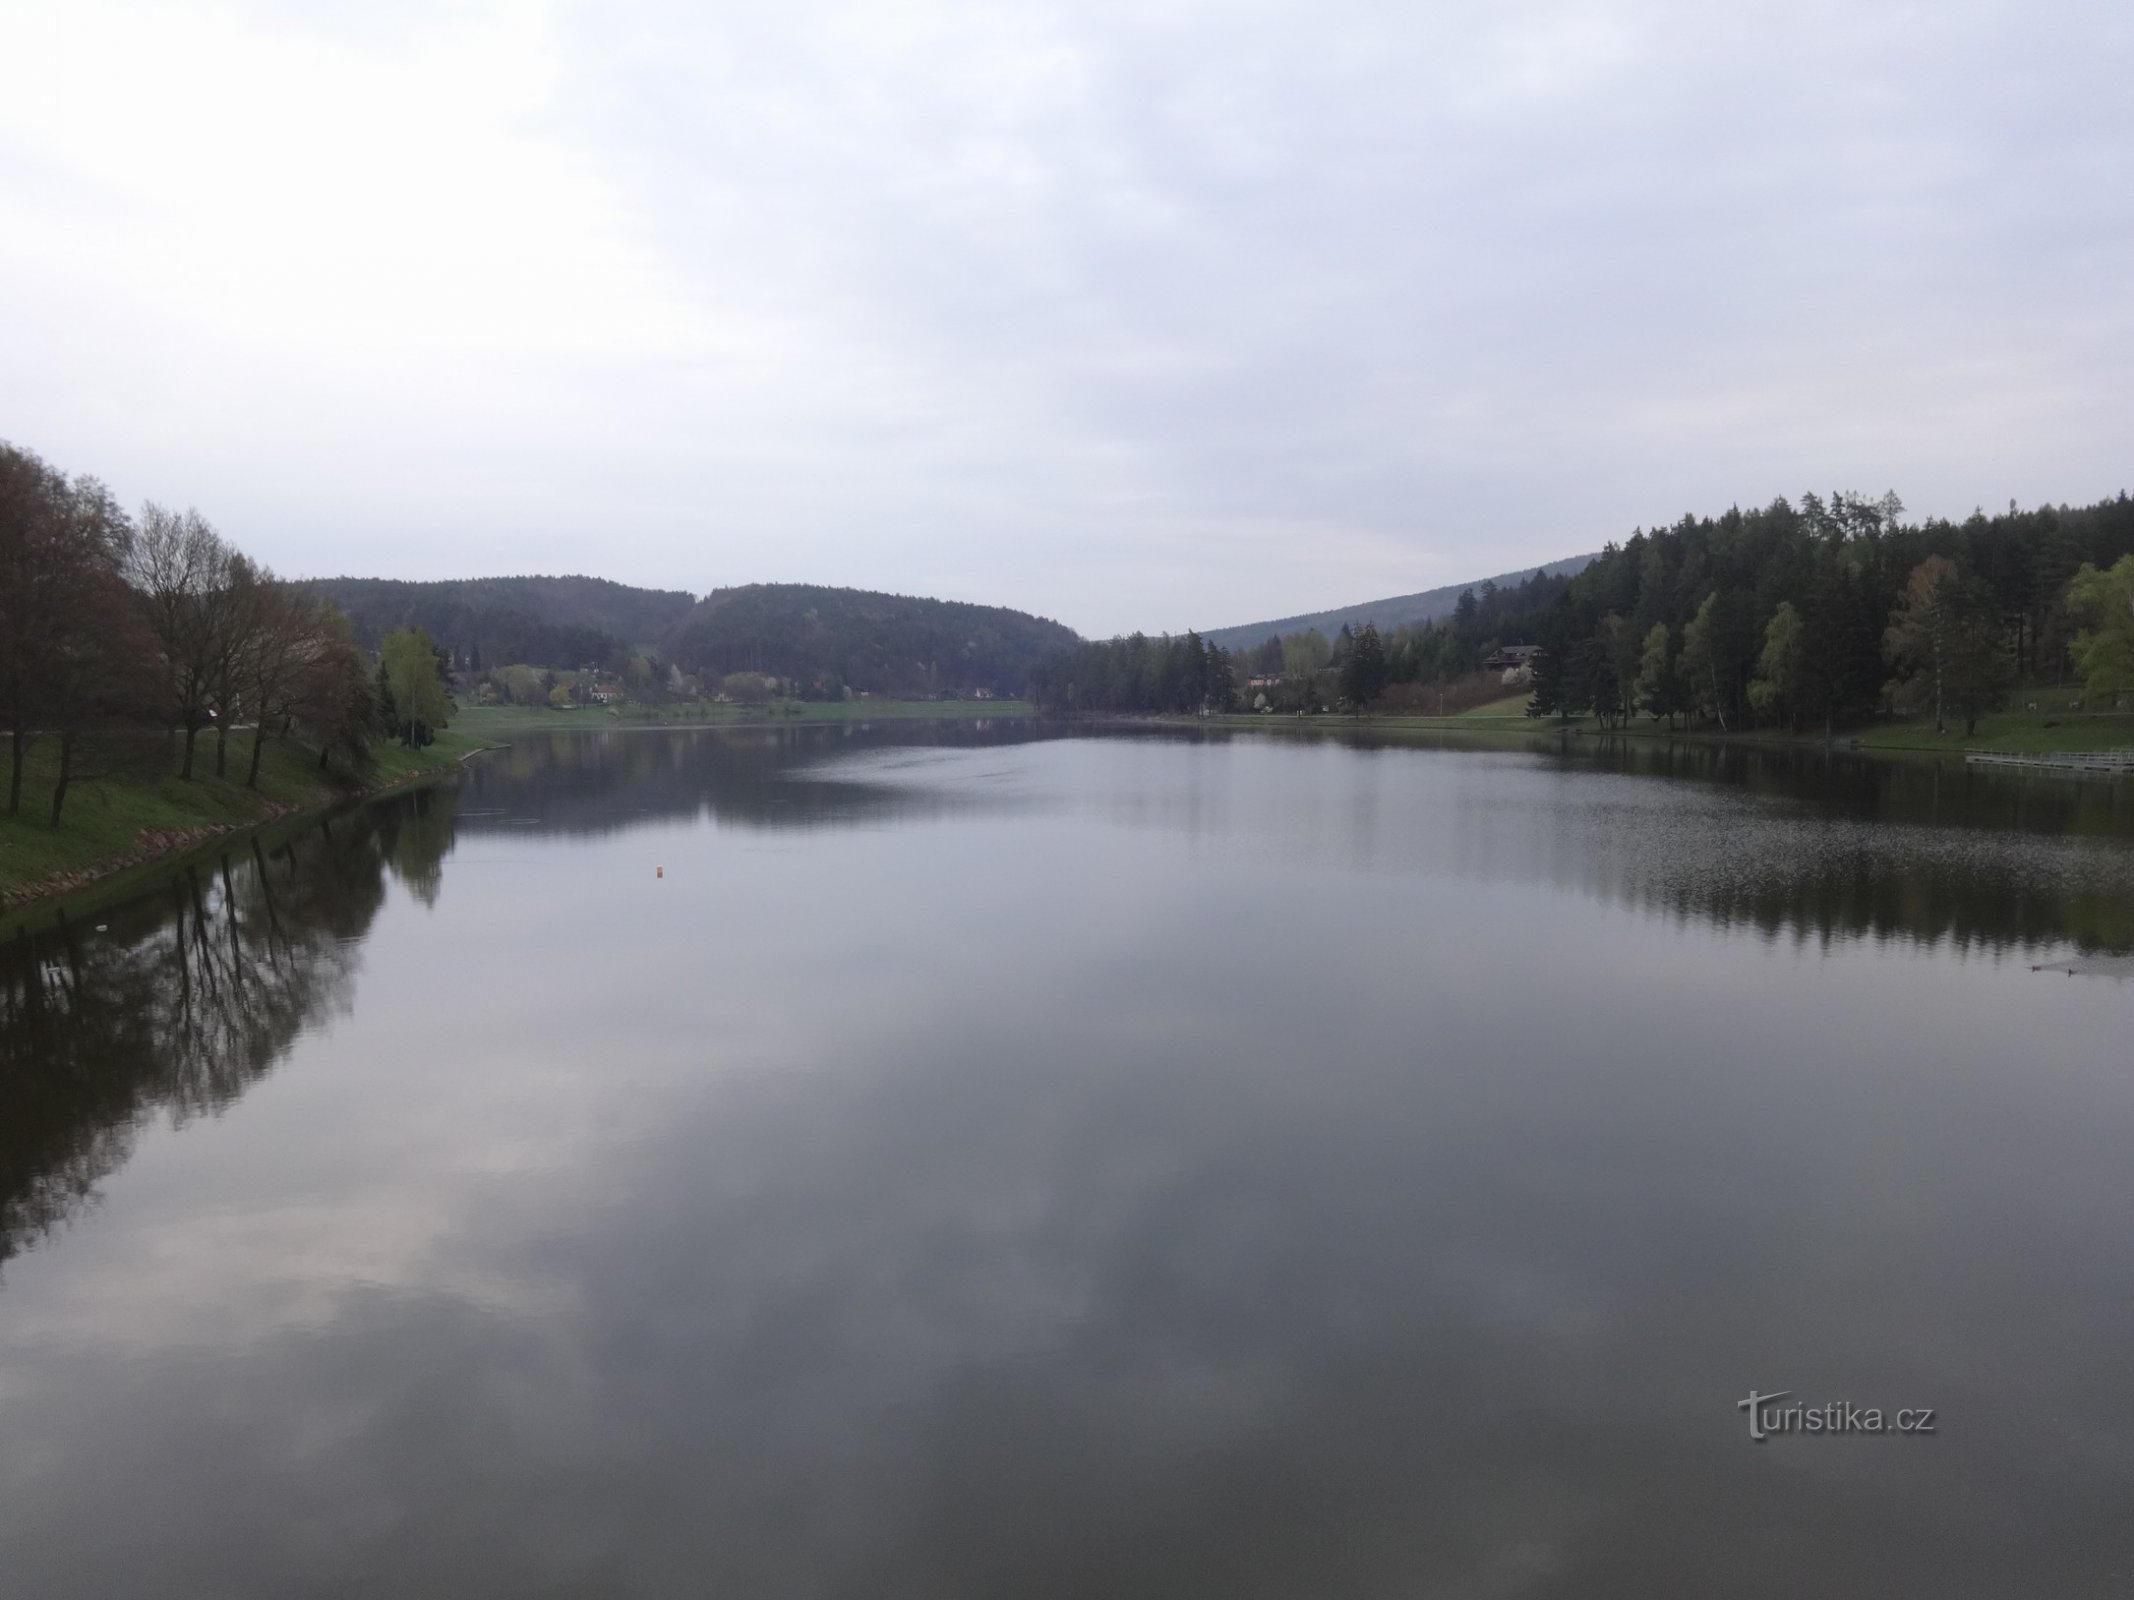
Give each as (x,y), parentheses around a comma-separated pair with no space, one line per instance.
(1825,612)
(493,622)
(1387,616)
(1820,614)
(880,643)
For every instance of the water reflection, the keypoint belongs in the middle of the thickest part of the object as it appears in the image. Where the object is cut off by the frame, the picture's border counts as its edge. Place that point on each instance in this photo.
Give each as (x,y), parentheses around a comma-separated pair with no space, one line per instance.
(199,986)
(772,777)
(187,995)
(1795,842)
(1129,1166)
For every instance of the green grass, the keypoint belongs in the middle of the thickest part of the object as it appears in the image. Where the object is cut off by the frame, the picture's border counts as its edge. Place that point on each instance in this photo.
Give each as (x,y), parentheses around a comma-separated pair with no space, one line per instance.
(1999,730)
(492,720)
(2039,730)
(2007,730)
(106,818)
(1511,705)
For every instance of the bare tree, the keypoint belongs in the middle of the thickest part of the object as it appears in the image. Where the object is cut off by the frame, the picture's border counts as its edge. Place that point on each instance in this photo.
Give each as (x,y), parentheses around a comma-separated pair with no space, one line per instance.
(334,698)
(92,670)
(284,639)
(181,567)
(61,605)
(246,605)
(28,492)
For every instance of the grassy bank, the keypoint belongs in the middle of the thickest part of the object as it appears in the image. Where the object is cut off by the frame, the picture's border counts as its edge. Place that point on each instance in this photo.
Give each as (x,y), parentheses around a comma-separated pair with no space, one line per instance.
(114,822)
(501,720)
(2002,730)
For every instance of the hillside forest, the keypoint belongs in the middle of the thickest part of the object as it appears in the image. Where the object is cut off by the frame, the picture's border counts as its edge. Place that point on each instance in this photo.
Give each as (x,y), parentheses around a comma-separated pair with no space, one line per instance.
(1816,615)
(520,639)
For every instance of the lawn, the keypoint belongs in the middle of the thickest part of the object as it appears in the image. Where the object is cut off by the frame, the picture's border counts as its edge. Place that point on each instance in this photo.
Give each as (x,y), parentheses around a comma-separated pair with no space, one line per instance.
(106,818)
(2008,730)
(1511,705)
(1997,730)
(2001,730)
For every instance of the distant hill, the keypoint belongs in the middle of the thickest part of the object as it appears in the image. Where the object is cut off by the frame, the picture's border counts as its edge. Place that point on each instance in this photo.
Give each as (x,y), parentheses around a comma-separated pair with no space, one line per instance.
(1401,610)
(493,622)
(882,643)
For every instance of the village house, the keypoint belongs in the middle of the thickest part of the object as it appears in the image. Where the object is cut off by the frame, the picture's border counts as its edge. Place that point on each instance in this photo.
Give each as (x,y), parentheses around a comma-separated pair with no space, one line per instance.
(1514,661)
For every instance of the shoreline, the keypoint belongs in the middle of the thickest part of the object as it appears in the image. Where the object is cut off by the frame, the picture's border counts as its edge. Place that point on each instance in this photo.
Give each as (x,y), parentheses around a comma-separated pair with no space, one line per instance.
(2019,731)
(480,730)
(484,720)
(474,731)
(157,846)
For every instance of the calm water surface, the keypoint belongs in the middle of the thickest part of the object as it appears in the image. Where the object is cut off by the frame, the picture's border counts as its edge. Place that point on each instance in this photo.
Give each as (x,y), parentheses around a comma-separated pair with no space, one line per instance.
(993,1165)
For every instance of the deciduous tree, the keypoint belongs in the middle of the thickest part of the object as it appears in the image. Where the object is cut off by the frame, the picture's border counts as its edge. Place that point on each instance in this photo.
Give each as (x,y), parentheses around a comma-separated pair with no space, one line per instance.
(1945,643)
(1659,682)
(1781,668)
(181,569)
(2104,650)
(408,660)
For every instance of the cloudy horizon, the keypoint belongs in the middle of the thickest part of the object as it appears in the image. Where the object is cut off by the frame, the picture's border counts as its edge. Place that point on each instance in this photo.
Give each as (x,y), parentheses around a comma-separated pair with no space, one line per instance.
(1136,317)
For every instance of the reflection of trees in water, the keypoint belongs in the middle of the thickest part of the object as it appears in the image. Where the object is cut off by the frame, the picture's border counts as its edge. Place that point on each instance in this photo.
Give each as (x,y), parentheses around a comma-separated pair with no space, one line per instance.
(417,837)
(596,783)
(1830,845)
(1843,846)
(1827,845)
(1833,879)
(199,986)
(1793,840)
(189,997)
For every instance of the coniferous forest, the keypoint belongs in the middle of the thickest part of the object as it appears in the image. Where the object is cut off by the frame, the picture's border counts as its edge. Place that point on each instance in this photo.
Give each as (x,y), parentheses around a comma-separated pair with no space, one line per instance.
(1816,615)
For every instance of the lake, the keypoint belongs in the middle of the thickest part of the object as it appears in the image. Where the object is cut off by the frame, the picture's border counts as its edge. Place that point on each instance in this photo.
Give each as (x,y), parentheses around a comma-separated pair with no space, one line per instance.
(978,1161)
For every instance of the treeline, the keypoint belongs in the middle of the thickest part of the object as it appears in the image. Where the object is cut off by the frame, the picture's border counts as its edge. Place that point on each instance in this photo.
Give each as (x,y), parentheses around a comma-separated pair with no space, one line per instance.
(1136,674)
(1307,671)
(1303,671)
(485,623)
(1815,615)
(1828,612)
(112,627)
(828,641)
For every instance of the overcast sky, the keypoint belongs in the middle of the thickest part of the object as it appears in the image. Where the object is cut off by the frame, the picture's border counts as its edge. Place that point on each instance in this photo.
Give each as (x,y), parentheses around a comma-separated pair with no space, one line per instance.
(1149,315)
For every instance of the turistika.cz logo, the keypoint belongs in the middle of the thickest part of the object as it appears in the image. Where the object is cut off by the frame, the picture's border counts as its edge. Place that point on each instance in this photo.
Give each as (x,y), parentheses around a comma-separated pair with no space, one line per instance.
(1767,1417)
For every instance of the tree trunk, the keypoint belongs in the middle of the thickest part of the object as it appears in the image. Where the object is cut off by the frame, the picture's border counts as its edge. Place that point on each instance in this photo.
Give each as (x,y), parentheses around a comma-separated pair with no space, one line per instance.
(14,779)
(66,771)
(1937,694)
(259,734)
(222,744)
(185,769)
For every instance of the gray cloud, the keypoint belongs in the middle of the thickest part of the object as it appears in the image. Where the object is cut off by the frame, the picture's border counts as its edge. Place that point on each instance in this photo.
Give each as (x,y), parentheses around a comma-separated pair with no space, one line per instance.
(1134,316)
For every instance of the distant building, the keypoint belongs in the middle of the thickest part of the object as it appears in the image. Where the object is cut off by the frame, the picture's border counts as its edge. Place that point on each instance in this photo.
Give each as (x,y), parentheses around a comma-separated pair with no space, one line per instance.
(1514,661)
